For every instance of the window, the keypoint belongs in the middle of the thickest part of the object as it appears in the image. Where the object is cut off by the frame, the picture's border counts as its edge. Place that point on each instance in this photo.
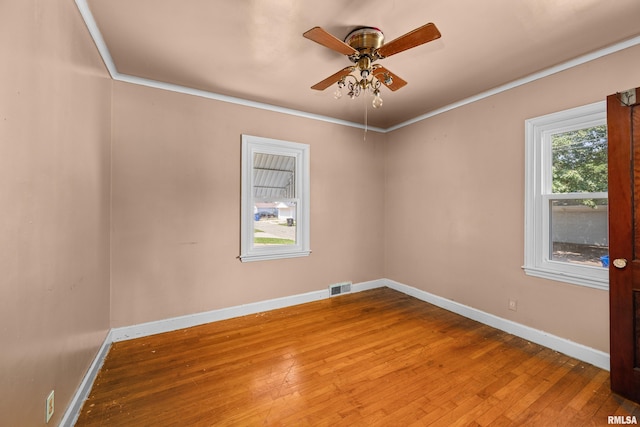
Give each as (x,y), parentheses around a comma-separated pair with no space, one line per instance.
(275,199)
(566,199)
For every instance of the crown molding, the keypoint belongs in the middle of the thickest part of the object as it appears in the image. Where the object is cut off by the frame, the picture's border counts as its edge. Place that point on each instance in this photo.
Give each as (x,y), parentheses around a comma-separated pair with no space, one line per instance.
(90,22)
(527,79)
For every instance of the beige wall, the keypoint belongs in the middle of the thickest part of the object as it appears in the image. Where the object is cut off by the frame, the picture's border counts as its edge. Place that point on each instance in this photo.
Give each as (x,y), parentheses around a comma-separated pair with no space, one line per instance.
(399,205)
(54,202)
(176,206)
(176,168)
(455,199)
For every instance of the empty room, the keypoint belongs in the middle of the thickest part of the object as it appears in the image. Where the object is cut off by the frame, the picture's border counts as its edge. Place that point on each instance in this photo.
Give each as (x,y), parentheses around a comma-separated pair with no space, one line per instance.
(281,212)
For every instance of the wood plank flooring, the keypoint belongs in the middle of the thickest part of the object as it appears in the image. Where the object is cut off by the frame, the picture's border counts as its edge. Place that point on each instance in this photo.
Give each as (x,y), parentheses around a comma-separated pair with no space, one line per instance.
(374,358)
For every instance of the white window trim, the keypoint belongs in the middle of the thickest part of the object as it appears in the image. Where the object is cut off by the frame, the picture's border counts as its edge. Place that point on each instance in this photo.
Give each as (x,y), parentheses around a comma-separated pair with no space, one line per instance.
(249,252)
(537,186)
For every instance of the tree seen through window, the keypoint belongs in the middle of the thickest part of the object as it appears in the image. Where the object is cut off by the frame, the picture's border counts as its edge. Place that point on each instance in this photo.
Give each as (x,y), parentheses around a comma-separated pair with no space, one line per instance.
(579,165)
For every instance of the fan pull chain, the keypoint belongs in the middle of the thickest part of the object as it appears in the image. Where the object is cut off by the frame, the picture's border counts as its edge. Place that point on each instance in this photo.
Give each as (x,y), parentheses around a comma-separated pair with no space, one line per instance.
(366,114)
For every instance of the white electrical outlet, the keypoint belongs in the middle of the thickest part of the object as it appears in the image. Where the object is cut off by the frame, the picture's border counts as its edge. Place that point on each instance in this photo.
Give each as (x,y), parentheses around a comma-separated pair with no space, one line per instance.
(513,304)
(49,407)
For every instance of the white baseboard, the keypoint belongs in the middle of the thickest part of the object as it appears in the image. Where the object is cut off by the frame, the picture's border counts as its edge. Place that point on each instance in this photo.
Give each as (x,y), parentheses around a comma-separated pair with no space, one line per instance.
(562,345)
(181,322)
(168,325)
(75,406)
(581,352)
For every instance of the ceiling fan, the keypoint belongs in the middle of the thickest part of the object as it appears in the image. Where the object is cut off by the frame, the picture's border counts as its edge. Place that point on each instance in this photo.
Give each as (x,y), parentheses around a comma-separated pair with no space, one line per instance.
(363,46)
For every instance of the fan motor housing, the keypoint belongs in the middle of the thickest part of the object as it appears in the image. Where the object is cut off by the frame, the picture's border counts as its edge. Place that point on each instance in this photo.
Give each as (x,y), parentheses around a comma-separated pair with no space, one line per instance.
(365,39)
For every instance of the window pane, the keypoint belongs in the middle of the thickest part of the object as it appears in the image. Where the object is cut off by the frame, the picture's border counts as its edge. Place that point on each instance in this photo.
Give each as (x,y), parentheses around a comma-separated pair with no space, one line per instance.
(274,223)
(274,176)
(274,183)
(580,160)
(579,231)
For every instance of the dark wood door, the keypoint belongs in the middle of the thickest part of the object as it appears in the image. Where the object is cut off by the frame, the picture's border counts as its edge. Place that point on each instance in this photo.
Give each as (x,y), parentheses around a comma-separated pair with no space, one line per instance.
(623,125)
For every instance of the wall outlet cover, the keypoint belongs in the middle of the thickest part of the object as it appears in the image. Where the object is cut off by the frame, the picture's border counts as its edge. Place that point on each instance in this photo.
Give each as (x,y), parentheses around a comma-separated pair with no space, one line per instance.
(49,407)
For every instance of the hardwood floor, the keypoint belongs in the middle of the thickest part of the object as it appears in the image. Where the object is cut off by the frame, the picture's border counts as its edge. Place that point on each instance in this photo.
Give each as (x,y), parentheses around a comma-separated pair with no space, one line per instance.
(374,358)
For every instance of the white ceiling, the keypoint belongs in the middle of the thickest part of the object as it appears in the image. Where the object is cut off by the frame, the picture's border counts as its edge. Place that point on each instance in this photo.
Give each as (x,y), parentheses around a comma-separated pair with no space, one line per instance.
(254,50)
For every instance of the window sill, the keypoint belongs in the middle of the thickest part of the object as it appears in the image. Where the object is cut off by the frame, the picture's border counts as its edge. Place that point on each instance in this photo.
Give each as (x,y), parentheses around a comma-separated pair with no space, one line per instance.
(569,277)
(269,256)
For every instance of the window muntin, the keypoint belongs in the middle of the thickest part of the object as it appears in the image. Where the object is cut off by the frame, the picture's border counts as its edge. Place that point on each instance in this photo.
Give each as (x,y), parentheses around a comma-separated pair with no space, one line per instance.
(566,221)
(275,199)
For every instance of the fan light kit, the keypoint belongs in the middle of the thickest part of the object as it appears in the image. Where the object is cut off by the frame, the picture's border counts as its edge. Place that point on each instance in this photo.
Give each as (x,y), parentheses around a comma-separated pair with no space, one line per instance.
(363,46)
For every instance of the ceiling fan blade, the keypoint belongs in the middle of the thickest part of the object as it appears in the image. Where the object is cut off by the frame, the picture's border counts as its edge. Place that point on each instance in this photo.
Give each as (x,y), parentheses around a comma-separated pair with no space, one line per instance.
(333,78)
(381,74)
(414,38)
(326,39)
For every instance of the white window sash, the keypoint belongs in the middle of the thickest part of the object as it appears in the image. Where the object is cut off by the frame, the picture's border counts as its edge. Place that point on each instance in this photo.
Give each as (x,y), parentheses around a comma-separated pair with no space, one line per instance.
(250,252)
(538,195)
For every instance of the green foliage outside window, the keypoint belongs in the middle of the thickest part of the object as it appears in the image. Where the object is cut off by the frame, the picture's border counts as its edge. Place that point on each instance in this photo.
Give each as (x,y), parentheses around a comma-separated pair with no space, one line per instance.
(580,162)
